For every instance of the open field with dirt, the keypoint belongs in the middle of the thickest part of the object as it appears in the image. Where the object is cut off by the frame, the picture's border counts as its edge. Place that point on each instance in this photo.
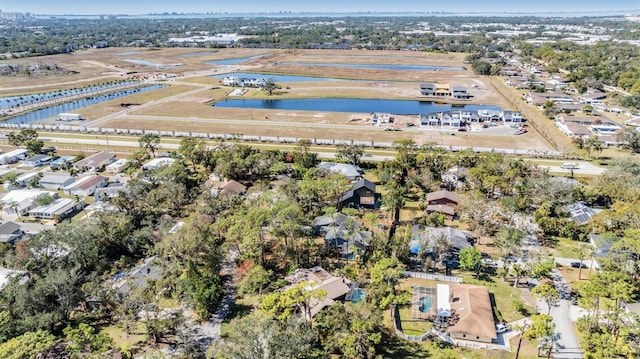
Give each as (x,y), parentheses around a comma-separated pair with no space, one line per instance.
(185,104)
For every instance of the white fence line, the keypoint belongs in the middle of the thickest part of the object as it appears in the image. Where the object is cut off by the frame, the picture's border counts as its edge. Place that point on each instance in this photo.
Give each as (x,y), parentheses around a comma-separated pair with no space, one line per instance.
(438,277)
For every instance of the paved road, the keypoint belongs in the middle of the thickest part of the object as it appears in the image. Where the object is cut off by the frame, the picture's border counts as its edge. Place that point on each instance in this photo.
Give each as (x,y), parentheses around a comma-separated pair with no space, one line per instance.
(584,168)
(567,345)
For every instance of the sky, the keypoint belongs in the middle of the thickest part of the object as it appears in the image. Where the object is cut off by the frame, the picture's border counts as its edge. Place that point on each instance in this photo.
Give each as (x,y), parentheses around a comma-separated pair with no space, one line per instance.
(251,6)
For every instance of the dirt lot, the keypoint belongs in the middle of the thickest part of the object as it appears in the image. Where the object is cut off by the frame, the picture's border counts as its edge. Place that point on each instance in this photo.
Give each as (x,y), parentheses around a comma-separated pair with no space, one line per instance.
(191,112)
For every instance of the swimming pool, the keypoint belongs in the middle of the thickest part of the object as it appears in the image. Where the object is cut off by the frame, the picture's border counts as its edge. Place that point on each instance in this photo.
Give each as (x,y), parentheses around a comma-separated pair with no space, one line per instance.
(425,304)
(358,296)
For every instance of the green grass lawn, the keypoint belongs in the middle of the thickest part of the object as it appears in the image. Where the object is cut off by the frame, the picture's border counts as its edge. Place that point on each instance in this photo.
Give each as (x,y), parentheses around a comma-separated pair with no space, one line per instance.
(564,247)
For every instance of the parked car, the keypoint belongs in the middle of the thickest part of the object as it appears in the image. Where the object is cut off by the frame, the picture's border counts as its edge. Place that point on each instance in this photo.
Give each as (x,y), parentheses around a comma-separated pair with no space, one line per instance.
(501,328)
(489,262)
(569,166)
(578,265)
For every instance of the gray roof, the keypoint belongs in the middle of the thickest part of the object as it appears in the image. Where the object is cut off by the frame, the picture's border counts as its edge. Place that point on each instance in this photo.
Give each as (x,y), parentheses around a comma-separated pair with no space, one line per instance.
(581,213)
(9,228)
(426,236)
(362,183)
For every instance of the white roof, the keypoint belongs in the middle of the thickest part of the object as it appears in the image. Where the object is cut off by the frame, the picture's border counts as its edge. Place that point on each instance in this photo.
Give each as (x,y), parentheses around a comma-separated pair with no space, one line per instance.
(58,206)
(159,162)
(26,176)
(20,195)
(55,178)
(18,152)
(442,298)
(118,163)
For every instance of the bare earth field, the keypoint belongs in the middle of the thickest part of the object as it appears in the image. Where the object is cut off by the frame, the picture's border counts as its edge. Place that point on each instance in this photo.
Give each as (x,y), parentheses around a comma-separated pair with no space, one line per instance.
(185,104)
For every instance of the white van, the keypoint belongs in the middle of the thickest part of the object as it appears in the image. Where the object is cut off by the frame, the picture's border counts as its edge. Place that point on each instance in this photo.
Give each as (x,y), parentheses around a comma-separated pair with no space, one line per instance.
(569,166)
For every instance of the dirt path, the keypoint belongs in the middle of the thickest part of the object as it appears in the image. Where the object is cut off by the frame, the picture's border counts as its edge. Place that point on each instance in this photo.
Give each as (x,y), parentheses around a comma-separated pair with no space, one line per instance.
(536,120)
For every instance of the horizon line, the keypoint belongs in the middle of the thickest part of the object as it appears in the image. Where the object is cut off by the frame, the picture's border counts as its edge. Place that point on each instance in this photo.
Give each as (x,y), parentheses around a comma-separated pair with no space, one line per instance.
(285,12)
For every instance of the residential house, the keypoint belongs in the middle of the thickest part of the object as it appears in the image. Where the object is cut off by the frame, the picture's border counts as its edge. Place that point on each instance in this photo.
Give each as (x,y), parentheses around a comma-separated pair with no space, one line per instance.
(470,312)
(361,195)
(512,118)
(151,268)
(454,177)
(443,202)
(117,166)
(428,89)
(21,201)
(56,181)
(36,161)
(25,179)
(426,239)
(112,190)
(63,162)
(430,119)
(336,288)
(228,188)
(59,209)
(573,129)
(592,97)
(443,90)
(10,232)
(86,186)
(13,156)
(341,232)
(158,162)
(460,93)
(353,173)
(581,213)
(95,162)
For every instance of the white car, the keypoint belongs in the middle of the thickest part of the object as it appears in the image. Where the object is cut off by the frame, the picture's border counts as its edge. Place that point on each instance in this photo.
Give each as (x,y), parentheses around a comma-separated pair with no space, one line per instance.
(569,166)
(501,328)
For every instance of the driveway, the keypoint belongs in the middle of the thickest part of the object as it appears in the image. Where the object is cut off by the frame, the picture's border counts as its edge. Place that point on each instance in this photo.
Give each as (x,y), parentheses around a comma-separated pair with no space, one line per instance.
(567,345)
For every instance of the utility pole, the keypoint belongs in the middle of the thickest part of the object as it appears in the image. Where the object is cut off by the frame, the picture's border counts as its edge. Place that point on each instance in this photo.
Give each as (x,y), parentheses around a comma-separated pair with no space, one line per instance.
(107,138)
(524,328)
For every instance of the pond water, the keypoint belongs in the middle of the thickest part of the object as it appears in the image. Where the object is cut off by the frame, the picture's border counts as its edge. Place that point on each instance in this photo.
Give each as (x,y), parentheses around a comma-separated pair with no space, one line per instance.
(52,111)
(152,64)
(11,101)
(199,53)
(274,77)
(379,66)
(127,53)
(397,107)
(235,60)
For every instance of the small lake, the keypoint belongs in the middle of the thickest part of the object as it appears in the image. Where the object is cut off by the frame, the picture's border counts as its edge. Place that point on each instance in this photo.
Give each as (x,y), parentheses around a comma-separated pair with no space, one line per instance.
(235,60)
(127,53)
(152,64)
(52,111)
(397,107)
(274,77)
(11,101)
(199,53)
(379,66)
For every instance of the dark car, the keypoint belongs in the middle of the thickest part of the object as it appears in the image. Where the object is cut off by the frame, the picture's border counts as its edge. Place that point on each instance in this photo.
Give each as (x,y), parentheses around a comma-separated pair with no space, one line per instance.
(578,265)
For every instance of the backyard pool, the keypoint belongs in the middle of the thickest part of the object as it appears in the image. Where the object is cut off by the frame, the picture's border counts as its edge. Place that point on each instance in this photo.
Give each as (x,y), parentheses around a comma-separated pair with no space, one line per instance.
(425,304)
(358,296)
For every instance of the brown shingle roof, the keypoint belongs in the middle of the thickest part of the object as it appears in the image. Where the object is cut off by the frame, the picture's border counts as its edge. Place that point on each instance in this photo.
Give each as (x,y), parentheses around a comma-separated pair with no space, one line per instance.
(441,208)
(434,196)
(231,187)
(473,307)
